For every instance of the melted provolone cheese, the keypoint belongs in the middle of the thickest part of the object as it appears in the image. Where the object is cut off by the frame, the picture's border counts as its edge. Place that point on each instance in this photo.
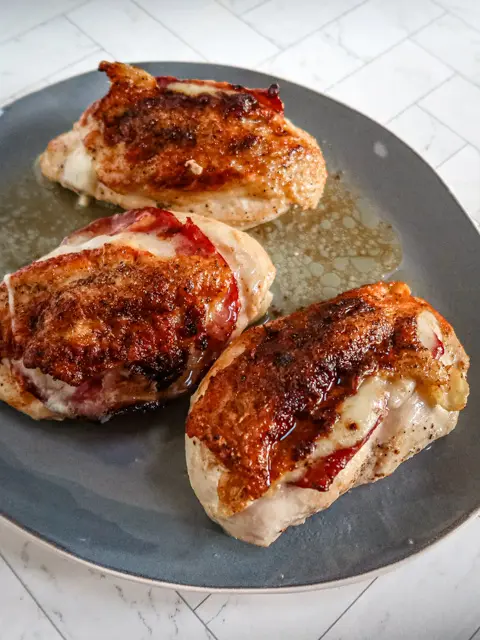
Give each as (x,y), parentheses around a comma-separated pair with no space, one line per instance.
(192,89)
(78,170)
(55,394)
(139,241)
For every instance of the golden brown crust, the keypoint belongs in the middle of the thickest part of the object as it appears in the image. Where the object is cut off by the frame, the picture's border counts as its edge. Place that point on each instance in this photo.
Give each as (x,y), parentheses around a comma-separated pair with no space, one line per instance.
(148,321)
(115,306)
(145,135)
(294,373)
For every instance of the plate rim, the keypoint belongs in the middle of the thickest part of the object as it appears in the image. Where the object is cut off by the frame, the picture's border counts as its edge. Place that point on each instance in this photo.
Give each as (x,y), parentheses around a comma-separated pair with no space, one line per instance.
(369,575)
(317,586)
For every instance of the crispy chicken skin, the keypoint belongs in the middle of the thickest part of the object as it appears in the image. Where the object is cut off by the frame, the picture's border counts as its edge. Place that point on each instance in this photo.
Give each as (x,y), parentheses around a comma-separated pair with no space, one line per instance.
(298,411)
(130,310)
(199,146)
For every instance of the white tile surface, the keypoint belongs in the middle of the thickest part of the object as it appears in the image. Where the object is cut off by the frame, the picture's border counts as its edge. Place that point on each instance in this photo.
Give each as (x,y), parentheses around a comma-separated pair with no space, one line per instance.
(467,10)
(462,174)
(17,17)
(20,617)
(90,63)
(194,598)
(457,104)
(21,65)
(123,40)
(286,21)
(87,605)
(454,42)
(240,6)
(303,616)
(430,138)
(402,605)
(377,25)
(317,62)
(212,30)
(389,84)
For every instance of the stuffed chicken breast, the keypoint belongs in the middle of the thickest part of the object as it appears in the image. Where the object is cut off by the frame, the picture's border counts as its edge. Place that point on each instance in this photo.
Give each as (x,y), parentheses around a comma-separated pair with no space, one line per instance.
(210,148)
(298,411)
(129,311)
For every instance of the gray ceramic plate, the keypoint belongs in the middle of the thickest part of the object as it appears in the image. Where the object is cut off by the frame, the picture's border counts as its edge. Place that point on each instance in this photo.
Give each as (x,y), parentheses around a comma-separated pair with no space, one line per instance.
(118,495)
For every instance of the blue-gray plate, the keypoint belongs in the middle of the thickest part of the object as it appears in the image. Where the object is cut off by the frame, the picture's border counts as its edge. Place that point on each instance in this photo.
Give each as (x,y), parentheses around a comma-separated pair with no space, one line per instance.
(117,495)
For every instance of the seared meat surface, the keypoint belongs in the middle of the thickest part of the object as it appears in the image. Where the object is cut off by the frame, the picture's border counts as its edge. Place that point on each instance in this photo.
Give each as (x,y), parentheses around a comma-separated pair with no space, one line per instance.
(298,411)
(211,148)
(130,310)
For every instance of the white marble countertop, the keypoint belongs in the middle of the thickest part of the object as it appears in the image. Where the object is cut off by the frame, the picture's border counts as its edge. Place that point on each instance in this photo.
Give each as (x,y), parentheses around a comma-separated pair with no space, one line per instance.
(412,65)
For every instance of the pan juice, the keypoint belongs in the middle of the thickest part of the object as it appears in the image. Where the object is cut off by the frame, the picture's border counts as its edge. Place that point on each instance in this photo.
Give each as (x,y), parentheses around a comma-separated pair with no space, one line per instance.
(340,245)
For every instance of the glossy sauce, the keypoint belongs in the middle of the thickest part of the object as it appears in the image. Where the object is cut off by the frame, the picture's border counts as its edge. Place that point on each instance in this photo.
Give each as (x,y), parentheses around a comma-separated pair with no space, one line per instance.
(320,253)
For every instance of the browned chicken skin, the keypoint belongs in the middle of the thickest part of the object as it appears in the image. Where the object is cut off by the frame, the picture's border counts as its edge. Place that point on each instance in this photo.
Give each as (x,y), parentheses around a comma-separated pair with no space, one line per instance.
(206,147)
(292,406)
(128,311)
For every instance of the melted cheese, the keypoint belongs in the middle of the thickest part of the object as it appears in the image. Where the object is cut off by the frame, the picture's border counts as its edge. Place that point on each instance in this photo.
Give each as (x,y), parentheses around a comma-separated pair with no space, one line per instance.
(410,425)
(139,241)
(363,409)
(78,170)
(56,395)
(67,161)
(430,334)
(195,89)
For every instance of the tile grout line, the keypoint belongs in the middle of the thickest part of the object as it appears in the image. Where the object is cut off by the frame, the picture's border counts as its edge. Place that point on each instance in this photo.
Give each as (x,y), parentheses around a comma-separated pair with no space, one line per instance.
(252,8)
(447,64)
(249,25)
(435,117)
(13,98)
(439,166)
(150,15)
(347,609)
(61,14)
(454,15)
(67,17)
(76,62)
(419,106)
(310,33)
(196,614)
(416,103)
(265,60)
(474,634)
(32,597)
(366,64)
(206,597)
(425,110)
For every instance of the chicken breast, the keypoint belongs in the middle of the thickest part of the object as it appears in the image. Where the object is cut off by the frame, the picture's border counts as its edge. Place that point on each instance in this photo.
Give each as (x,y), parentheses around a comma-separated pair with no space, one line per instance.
(127,312)
(298,411)
(204,147)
